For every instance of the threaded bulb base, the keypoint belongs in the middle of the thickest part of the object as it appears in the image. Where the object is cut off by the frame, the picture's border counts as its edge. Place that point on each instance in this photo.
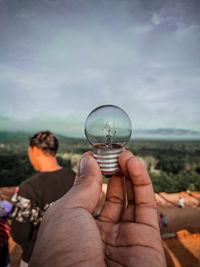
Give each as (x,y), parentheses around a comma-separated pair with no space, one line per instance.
(107,159)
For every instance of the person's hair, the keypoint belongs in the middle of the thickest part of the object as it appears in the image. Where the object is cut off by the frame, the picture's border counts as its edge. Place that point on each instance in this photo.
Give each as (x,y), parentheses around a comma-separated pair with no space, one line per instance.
(45,141)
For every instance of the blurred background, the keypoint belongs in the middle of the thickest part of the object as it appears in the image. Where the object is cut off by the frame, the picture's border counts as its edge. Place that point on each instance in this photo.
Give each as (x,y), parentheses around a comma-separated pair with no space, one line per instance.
(59,59)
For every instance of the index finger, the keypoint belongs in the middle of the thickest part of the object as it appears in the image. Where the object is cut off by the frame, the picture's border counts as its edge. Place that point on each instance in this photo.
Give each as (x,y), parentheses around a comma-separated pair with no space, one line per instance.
(145,207)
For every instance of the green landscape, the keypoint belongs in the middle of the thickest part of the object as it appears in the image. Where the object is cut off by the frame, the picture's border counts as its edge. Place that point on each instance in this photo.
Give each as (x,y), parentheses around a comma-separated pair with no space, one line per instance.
(174,166)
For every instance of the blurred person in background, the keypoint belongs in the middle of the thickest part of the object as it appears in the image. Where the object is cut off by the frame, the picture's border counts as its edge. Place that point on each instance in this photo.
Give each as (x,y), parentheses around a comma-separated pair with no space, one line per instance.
(37,193)
(180,202)
(165,220)
(5,209)
(161,220)
(14,197)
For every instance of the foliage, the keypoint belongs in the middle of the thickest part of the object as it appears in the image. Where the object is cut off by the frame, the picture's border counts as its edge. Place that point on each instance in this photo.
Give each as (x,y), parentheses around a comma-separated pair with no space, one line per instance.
(171,183)
(174,166)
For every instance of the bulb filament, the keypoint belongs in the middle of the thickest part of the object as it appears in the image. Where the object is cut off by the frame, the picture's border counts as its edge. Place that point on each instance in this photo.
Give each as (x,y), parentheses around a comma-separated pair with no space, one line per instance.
(108,140)
(109,135)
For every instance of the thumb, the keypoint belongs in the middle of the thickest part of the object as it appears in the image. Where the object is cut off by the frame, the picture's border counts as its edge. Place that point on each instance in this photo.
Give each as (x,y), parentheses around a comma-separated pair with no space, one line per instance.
(87,186)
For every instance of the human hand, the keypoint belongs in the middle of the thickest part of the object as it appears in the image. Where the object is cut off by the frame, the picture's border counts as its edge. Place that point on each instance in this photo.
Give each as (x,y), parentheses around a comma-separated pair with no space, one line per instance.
(128,222)
(125,234)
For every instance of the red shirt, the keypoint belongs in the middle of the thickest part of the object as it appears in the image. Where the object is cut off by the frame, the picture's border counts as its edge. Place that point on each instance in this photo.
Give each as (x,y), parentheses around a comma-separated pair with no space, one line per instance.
(4,232)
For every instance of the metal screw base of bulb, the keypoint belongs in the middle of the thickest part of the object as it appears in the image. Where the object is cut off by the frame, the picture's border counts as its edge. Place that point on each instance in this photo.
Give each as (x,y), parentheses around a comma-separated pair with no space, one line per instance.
(108,159)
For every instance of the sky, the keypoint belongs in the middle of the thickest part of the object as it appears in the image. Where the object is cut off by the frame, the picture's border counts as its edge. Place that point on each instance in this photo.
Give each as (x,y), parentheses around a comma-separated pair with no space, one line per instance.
(60,59)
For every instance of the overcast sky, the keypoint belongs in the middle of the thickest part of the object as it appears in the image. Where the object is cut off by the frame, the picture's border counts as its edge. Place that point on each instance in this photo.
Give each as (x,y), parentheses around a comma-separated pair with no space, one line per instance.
(59,59)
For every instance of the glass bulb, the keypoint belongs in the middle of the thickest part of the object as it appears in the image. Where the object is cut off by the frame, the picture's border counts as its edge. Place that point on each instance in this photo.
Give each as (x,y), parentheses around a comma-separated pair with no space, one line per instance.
(108,128)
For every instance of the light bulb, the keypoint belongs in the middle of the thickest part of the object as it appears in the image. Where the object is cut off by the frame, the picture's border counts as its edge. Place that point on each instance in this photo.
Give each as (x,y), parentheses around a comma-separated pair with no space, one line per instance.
(108,128)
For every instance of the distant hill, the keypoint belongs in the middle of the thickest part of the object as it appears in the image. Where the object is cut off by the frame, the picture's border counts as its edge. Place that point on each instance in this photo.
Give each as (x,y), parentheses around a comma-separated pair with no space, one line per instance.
(24,136)
(14,136)
(21,136)
(11,129)
(149,134)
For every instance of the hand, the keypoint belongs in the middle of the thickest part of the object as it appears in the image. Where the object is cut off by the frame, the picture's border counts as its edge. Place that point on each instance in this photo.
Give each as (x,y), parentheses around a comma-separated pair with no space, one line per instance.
(126,232)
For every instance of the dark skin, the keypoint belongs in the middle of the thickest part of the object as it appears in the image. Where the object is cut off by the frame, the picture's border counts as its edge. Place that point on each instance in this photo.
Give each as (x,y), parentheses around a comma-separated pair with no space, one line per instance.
(125,234)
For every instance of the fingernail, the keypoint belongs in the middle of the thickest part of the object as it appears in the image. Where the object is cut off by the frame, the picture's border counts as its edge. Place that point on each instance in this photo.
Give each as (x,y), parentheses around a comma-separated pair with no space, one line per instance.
(83,164)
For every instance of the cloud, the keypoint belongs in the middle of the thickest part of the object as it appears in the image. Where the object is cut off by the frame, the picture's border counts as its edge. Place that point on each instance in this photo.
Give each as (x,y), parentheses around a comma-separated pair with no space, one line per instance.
(61,59)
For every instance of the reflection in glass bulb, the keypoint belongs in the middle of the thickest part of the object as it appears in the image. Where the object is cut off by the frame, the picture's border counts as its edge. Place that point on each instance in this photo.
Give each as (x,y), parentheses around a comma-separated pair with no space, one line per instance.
(108,128)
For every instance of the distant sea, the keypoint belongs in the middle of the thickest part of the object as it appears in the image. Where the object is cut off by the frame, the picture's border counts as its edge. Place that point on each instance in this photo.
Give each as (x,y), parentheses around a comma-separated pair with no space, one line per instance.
(166,134)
